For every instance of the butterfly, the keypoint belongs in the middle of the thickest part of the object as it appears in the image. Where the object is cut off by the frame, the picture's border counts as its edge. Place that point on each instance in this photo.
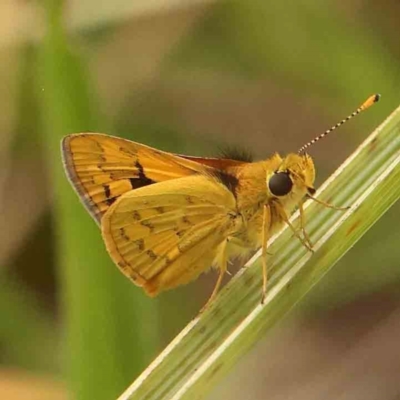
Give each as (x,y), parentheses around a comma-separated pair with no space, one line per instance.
(166,218)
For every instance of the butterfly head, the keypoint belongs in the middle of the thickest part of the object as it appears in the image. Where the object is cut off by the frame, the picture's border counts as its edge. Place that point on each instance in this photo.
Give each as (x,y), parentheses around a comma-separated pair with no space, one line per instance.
(294,177)
(296,173)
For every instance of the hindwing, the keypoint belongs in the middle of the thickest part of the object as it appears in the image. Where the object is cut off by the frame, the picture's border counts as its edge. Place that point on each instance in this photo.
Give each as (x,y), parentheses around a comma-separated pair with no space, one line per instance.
(165,235)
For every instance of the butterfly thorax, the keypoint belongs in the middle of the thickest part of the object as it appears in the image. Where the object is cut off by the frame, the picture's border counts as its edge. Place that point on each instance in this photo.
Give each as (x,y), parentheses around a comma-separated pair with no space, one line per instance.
(253,193)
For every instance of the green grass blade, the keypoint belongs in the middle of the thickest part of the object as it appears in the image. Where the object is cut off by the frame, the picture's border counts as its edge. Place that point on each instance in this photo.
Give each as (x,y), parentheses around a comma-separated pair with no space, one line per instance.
(102,314)
(211,344)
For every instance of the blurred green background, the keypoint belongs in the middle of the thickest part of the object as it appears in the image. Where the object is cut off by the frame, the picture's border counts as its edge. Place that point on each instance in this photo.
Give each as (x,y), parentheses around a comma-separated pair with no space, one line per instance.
(187,77)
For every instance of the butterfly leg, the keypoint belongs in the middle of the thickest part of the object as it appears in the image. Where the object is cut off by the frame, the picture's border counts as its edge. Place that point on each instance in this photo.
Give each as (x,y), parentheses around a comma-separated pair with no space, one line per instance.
(285,218)
(265,229)
(222,265)
(302,225)
(323,203)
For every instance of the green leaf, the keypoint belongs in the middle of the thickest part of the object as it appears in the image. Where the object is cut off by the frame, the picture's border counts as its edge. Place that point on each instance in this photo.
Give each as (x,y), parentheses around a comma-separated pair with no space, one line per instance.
(212,343)
(102,314)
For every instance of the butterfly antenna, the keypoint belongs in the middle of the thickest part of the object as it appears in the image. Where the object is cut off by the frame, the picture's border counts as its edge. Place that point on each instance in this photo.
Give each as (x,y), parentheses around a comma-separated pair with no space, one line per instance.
(367,103)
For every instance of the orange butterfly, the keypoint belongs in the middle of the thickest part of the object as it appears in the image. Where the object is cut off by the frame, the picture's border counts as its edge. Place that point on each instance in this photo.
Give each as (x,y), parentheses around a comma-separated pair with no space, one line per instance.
(167,218)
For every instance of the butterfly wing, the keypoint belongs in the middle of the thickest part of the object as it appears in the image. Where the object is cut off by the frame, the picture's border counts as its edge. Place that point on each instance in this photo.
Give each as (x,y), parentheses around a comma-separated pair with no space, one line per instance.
(165,235)
(101,168)
(217,163)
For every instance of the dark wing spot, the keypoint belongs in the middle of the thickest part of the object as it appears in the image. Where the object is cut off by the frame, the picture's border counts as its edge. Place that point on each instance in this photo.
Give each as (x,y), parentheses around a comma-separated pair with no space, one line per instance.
(136,215)
(228,180)
(189,199)
(151,254)
(123,234)
(107,192)
(148,224)
(186,221)
(141,180)
(136,183)
(142,176)
(179,233)
(109,202)
(140,244)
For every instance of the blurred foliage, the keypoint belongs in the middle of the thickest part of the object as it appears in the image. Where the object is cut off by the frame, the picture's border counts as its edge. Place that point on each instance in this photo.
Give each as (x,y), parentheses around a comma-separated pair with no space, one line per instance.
(100,328)
(249,73)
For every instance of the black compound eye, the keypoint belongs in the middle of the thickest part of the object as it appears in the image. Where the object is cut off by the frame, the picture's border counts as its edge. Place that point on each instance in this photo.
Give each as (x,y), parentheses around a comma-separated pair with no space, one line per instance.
(280,184)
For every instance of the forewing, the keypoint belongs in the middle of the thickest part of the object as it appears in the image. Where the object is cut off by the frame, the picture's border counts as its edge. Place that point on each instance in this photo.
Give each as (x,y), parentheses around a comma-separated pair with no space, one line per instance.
(165,235)
(101,168)
(217,163)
